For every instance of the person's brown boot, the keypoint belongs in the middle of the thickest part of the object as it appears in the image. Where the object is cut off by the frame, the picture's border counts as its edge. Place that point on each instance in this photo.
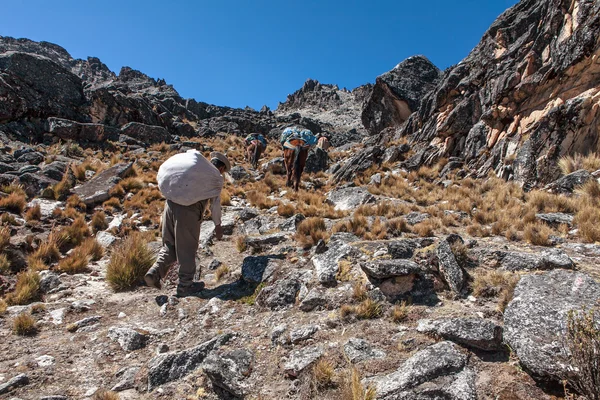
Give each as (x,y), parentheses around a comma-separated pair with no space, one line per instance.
(152,280)
(191,290)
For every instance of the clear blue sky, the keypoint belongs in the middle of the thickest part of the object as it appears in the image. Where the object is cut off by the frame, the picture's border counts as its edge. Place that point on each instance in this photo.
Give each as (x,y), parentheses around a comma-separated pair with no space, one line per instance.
(245,52)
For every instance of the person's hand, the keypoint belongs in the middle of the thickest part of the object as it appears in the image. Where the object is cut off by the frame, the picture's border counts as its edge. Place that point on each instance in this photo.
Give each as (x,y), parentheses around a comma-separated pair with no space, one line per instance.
(219,232)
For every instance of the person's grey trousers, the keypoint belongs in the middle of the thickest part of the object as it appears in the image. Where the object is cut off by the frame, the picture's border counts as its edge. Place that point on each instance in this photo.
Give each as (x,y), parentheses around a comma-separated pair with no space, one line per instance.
(180,236)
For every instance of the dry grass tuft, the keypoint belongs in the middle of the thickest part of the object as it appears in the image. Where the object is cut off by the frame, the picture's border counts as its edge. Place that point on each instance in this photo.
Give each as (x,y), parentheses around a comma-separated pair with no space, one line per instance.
(400,312)
(353,389)
(24,325)
(129,261)
(92,248)
(75,263)
(286,210)
(98,222)
(62,189)
(323,374)
(225,198)
(14,202)
(221,272)
(310,231)
(4,264)
(426,228)
(240,243)
(260,200)
(537,234)
(4,237)
(3,306)
(359,291)
(27,289)
(569,164)
(368,309)
(33,213)
(103,394)
(582,343)
(495,283)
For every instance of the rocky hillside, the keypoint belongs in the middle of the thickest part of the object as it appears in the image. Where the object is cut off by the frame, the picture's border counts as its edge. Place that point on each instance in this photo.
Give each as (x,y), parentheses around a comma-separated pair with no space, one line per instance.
(525,96)
(396,272)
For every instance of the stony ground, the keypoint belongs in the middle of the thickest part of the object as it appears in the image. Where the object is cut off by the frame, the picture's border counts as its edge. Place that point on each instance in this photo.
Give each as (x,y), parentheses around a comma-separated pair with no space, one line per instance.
(287,314)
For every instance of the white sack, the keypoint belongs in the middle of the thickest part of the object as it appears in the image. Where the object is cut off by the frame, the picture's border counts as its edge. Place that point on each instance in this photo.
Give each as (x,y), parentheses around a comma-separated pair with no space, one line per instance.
(187,178)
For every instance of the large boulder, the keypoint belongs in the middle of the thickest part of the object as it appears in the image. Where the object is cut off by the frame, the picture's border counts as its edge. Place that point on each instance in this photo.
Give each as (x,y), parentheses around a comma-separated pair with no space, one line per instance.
(535,320)
(349,198)
(566,184)
(146,134)
(229,371)
(452,273)
(359,162)
(326,263)
(317,160)
(547,259)
(472,332)
(80,132)
(436,372)
(97,189)
(168,367)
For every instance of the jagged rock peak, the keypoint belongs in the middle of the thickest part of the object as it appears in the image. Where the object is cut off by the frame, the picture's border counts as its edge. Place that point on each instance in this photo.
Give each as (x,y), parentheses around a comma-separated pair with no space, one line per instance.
(398,92)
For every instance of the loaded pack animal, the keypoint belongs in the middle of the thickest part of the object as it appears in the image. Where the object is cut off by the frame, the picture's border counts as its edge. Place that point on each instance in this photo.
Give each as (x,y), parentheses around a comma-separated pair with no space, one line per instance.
(255,146)
(296,144)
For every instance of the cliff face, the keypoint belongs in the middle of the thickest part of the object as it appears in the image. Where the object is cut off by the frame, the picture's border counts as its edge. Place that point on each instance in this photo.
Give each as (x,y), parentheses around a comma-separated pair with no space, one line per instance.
(525,96)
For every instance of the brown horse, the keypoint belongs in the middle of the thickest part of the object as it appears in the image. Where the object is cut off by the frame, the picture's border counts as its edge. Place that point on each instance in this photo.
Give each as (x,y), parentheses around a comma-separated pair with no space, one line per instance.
(253,152)
(295,153)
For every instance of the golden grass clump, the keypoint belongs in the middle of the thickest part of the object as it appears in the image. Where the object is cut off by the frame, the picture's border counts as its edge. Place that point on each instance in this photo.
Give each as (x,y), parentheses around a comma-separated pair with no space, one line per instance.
(13,188)
(14,202)
(93,249)
(353,389)
(129,261)
(3,306)
(426,228)
(98,222)
(368,309)
(48,251)
(400,312)
(240,243)
(358,225)
(570,164)
(286,210)
(221,272)
(103,394)
(323,374)
(132,184)
(24,325)
(260,200)
(75,263)
(33,213)
(62,189)
(537,234)
(36,264)
(4,237)
(4,264)
(27,289)
(310,231)
(225,198)
(492,283)
(359,291)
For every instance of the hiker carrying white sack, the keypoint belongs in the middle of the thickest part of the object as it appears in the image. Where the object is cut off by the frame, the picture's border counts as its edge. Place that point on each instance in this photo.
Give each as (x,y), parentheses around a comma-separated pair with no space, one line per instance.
(189,182)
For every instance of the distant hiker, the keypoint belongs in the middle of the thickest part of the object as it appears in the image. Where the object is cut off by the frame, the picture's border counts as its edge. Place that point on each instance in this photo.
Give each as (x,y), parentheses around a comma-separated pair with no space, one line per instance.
(256,144)
(323,142)
(296,142)
(188,181)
